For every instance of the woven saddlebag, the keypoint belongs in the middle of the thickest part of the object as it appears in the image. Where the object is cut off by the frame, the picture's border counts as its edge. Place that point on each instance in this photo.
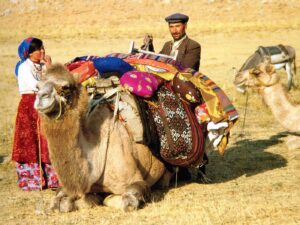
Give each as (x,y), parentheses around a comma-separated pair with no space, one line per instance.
(181,136)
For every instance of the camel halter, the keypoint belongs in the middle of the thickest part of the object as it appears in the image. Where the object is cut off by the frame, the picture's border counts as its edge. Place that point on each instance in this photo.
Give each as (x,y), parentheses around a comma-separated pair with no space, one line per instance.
(61,99)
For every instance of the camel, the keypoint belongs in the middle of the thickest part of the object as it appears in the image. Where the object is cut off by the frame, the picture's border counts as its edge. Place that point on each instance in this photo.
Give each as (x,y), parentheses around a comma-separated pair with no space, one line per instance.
(281,56)
(265,79)
(92,152)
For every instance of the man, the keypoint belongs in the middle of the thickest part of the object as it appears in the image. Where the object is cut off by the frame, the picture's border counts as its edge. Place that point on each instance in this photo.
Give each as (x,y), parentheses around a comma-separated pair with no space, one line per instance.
(185,50)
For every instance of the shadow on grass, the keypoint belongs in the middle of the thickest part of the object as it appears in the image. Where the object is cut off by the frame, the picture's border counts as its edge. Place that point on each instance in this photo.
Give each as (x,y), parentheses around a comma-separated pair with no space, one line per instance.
(246,157)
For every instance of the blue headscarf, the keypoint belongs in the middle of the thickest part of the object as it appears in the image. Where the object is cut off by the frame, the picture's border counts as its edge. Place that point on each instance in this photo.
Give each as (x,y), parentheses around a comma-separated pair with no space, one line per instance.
(23,52)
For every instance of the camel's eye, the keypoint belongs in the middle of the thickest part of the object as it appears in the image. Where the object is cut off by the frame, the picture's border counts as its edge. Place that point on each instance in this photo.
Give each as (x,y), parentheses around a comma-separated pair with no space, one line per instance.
(65,87)
(256,72)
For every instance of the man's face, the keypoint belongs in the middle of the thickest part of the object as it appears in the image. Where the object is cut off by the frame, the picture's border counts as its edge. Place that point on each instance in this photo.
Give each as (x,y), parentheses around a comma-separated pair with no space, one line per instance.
(177,30)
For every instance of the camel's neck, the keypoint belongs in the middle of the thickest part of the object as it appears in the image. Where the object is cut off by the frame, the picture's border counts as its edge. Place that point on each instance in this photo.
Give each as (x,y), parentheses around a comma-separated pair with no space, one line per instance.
(275,97)
(65,151)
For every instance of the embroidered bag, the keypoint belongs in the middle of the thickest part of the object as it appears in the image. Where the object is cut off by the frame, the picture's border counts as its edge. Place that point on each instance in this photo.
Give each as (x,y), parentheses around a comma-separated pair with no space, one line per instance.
(181,136)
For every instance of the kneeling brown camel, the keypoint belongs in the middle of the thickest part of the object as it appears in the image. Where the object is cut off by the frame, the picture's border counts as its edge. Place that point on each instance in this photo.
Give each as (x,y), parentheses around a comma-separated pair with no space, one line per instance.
(264,79)
(92,153)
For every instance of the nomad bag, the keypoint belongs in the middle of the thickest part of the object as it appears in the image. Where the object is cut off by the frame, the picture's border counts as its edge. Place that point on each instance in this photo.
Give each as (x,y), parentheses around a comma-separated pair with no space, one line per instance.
(181,136)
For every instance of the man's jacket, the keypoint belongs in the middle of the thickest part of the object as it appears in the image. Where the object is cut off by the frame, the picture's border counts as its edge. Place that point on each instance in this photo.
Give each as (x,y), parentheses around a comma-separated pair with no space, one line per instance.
(189,53)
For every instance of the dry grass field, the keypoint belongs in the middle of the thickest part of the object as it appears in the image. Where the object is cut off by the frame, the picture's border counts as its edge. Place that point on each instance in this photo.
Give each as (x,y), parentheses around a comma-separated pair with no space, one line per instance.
(257,180)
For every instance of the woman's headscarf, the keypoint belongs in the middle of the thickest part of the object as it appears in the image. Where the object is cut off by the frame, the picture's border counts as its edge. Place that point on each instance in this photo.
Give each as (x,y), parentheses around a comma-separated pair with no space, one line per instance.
(23,52)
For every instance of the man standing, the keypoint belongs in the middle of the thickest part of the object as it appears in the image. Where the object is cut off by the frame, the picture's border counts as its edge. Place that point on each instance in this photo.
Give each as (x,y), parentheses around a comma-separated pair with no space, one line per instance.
(186,51)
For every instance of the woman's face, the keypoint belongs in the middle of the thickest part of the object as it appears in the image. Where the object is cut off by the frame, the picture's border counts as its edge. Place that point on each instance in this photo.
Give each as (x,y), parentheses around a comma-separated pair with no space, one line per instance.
(37,55)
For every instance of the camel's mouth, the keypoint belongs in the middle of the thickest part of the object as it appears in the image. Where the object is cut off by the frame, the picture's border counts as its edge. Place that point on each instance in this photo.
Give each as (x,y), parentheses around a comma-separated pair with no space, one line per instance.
(240,83)
(44,105)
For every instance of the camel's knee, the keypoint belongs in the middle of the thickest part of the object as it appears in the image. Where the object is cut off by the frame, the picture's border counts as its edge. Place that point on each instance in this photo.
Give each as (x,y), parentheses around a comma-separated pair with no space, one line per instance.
(62,203)
(67,205)
(136,194)
(55,201)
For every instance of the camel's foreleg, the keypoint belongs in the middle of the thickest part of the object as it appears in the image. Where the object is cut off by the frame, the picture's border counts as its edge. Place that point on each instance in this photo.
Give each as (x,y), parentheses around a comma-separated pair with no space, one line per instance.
(136,194)
(62,202)
(93,199)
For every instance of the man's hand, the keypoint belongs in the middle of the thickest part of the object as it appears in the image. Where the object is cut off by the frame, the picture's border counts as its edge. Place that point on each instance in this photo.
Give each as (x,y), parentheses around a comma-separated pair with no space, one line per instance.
(148,39)
(148,43)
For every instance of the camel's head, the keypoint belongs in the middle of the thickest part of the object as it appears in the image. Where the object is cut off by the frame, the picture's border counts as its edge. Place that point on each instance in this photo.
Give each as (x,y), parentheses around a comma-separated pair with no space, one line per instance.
(263,75)
(57,91)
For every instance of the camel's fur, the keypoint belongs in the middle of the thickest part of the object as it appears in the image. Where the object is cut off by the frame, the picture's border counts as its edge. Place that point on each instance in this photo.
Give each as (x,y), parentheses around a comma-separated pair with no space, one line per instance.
(91,153)
(267,81)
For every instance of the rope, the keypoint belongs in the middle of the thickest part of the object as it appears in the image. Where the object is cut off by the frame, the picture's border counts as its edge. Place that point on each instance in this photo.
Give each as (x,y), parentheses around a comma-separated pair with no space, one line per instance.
(40,152)
(245,113)
(60,109)
(176,176)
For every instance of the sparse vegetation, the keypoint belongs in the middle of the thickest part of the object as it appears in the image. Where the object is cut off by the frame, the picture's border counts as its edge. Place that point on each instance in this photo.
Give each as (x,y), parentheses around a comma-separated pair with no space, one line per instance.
(256,182)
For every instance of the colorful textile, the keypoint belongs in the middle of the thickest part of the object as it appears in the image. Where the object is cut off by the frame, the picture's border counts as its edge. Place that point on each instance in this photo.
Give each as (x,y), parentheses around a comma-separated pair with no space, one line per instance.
(28,136)
(164,74)
(185,89)
(142,84)
(23,52)
(102,64)
(85,71)
(202,114)
(29,176)
(218,105)
(181,137)
(111,64)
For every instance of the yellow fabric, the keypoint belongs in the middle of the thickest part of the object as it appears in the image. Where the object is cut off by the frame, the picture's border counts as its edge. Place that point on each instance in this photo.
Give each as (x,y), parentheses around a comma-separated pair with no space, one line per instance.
(91,82)
(212,102)
(164,75)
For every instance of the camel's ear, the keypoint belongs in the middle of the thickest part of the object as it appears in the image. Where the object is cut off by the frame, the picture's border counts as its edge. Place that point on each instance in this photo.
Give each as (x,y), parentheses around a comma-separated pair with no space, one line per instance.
(270,69)
(76,77)
(255,71)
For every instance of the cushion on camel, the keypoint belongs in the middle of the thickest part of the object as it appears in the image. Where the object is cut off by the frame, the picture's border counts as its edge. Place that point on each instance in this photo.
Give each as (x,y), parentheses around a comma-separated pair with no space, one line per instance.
(142,84)
(111,65)
(185,89)
(84,71)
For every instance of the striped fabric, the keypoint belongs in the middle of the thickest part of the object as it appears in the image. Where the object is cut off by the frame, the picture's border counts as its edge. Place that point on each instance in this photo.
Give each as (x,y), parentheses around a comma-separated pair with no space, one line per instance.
(218,104)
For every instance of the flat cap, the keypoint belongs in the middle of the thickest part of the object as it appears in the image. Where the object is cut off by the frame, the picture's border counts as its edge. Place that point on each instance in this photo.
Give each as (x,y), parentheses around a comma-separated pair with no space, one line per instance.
(176,18)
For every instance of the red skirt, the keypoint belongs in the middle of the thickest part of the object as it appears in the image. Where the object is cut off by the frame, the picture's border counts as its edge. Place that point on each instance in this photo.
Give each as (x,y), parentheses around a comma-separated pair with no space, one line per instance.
(28,138)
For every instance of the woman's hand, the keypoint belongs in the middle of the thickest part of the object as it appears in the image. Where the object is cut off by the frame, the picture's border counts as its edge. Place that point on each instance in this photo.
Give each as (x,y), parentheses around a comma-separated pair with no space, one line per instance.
(48,60)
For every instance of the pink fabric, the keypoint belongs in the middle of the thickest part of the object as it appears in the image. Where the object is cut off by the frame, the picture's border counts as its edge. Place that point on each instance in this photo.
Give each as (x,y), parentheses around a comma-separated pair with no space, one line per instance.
(202,113)
(29,176)
(139,83)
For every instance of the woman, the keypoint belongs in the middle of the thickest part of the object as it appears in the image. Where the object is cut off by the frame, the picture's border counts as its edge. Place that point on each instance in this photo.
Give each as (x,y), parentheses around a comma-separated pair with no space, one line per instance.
(30,150)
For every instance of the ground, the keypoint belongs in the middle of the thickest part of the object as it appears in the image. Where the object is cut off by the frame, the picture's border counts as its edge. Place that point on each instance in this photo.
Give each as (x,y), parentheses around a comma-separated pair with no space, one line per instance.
(255,182)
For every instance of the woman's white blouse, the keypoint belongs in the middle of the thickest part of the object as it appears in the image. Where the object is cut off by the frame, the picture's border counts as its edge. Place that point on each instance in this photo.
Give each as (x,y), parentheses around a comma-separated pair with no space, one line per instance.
(26,80)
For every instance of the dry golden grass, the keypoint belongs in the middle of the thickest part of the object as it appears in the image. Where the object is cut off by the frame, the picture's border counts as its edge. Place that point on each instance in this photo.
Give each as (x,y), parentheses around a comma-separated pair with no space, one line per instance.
(256,182)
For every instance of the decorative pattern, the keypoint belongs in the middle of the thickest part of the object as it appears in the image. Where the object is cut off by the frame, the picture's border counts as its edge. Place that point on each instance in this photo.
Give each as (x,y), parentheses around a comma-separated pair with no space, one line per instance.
(218,104)
(29,176)
(175,131)
(142,84)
